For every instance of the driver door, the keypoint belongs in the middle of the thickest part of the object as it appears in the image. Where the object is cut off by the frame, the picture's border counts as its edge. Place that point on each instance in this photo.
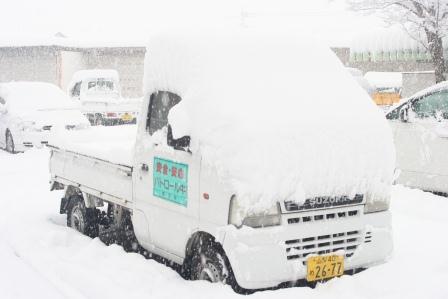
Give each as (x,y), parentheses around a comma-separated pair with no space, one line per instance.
(422,143)
(166,184)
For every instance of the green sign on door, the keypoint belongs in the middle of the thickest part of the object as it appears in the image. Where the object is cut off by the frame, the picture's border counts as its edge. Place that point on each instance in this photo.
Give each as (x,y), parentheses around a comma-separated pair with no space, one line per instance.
(170,181)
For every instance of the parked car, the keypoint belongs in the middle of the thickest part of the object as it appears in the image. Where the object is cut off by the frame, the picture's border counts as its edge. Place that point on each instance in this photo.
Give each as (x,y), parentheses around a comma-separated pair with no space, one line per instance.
(99,93)
(29,110)
(420,127)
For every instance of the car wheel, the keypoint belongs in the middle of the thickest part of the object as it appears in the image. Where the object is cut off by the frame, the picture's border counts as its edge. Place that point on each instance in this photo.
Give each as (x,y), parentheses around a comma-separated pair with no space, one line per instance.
(82,219)
(207,263)
(98,120)
(9,143)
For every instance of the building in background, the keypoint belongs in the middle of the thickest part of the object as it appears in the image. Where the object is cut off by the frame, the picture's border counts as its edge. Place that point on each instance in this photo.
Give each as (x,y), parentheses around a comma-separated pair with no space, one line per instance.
(390,50)
(55,60)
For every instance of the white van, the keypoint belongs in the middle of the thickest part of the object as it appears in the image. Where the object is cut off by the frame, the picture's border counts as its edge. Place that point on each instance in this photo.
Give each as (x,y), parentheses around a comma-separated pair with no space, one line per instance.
(98,91)
(238,172)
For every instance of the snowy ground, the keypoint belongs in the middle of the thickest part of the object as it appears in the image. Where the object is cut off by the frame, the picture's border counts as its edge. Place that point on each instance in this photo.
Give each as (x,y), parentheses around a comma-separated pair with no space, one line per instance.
(41,258)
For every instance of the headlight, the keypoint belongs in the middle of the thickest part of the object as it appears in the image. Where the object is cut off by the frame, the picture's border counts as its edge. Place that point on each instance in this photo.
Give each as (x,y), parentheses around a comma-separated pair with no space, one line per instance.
(29,126)
(239,217)
(374,205)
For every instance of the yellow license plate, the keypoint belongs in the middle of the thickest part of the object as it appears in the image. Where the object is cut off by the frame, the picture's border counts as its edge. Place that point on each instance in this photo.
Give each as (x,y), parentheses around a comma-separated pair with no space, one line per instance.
(324,267)
(126,117)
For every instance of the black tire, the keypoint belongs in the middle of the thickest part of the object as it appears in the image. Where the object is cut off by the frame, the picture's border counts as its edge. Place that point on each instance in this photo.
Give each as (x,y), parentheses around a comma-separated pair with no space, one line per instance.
(208,262)
(9,143)
(82,219)
(98,120)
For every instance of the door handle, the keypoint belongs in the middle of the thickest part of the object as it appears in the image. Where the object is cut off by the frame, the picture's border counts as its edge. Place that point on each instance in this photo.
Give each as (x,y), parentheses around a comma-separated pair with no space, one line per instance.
(144,167)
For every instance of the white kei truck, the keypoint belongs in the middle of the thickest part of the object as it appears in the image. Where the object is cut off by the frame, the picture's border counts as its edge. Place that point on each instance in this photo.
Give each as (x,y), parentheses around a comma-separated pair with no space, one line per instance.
(192,186)
(98,92)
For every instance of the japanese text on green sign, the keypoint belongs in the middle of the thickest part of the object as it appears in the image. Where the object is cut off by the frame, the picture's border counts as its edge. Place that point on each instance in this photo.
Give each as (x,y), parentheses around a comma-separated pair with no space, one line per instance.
(170,181)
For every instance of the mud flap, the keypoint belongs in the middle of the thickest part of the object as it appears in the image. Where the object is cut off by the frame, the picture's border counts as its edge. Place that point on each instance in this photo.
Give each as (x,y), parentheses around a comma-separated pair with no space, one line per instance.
(64,205)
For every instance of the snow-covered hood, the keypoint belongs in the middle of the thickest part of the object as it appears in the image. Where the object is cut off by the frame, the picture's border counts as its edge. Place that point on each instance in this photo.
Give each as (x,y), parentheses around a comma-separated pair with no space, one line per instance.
(279,118)
(55,117)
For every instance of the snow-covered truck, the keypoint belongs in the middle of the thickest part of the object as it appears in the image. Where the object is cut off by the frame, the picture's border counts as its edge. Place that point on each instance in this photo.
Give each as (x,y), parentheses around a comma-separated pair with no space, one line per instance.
(243,169)
(98,91)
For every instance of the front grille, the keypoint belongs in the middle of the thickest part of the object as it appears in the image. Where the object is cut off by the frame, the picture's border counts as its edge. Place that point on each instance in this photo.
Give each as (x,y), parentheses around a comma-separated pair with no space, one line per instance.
(323,202)
(299,249)
(327,215)
(46,128)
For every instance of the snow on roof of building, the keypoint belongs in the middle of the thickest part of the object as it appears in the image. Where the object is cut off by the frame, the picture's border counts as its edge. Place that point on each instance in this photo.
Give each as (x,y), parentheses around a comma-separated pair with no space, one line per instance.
(59,40)
(385,40)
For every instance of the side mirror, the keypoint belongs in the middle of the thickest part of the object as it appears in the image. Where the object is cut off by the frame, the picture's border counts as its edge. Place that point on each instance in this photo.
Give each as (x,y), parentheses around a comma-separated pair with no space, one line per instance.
(181,143)
(404,114)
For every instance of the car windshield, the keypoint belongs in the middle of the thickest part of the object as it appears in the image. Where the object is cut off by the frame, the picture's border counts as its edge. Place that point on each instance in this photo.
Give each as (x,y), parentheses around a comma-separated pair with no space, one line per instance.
(100,86)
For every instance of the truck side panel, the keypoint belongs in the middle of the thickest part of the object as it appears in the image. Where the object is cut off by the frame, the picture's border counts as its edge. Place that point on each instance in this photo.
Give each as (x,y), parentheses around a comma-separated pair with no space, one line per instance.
(109,181)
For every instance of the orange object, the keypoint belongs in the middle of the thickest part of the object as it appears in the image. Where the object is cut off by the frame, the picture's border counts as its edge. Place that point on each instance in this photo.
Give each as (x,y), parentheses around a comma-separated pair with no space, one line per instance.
(386,98)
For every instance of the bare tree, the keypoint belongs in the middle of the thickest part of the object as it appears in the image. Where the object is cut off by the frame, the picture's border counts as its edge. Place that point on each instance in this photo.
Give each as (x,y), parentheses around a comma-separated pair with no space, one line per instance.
(426,21)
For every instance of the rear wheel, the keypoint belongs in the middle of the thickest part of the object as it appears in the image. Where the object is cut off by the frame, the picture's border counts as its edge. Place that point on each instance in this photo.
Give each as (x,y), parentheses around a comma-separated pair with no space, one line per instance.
(9,143)
(82,219)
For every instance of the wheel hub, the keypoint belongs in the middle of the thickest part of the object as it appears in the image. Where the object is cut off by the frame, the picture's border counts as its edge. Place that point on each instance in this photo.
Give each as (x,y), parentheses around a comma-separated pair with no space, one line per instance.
(210,273)
(77,220)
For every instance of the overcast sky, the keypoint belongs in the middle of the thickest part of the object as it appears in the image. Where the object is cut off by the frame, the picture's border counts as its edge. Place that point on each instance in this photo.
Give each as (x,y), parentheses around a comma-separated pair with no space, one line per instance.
(137,19)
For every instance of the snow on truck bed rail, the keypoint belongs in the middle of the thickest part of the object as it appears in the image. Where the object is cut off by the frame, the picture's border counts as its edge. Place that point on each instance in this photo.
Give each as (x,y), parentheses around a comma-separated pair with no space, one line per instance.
(278,117)
(114,144)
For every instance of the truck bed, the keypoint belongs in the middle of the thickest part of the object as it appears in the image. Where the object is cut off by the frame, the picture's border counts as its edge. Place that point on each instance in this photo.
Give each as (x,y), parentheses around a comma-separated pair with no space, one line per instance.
(98,160)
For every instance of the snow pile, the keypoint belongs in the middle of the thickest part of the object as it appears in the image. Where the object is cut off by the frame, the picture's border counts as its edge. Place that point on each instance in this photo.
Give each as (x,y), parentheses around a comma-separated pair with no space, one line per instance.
(114,144)
(31,96)
(278,117)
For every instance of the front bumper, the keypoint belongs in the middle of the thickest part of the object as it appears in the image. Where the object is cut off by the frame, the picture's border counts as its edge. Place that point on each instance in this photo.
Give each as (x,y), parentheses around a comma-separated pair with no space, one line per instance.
(111,118)
(267,257)
(25,140)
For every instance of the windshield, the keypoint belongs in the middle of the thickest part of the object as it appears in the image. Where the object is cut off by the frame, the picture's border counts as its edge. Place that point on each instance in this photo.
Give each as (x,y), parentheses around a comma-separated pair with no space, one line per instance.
(100,86)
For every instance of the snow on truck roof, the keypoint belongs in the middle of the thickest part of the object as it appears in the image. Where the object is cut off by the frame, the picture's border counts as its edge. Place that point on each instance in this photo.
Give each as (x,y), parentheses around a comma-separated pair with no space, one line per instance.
(278,117)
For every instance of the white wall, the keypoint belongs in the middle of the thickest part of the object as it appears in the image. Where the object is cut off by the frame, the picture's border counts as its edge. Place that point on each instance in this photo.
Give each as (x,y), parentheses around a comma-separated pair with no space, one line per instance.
(28,64)
(70,62)
(416,81)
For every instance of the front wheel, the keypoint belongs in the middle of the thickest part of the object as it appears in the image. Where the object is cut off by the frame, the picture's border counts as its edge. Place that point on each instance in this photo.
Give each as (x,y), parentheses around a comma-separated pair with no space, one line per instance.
(207,263)
(82,219)
(9,143)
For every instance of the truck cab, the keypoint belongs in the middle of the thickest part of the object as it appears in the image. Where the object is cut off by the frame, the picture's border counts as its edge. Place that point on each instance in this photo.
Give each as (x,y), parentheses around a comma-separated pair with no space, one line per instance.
(99,93)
